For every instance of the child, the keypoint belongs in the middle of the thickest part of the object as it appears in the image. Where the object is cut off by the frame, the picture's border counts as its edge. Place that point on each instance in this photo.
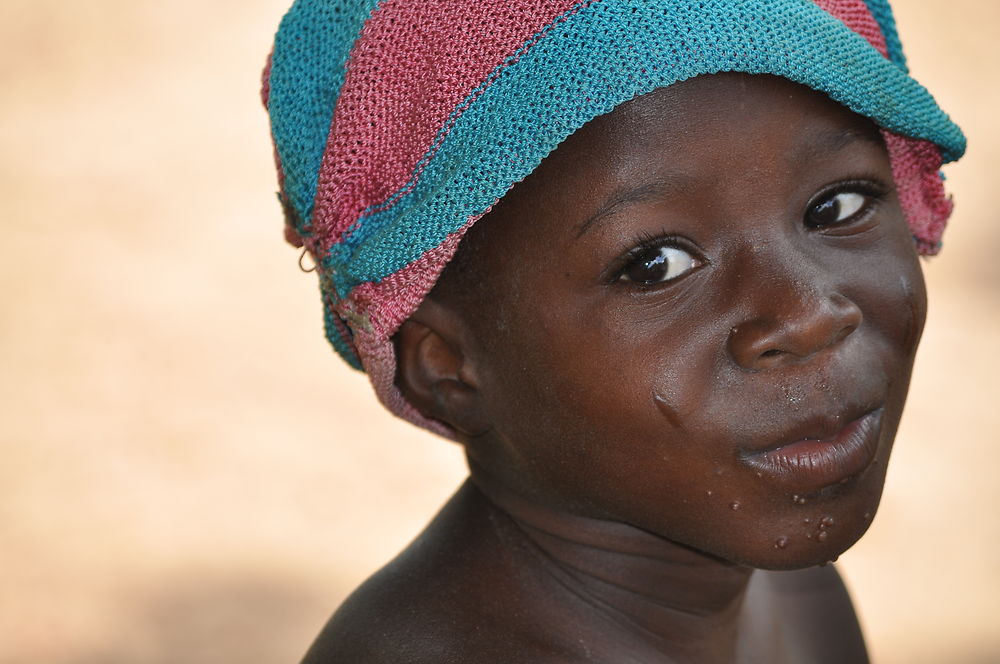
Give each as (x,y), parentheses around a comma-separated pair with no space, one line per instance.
(676,337)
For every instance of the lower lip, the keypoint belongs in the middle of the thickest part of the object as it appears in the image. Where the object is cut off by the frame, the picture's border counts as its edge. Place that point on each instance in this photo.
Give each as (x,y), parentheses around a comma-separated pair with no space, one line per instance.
(814,464)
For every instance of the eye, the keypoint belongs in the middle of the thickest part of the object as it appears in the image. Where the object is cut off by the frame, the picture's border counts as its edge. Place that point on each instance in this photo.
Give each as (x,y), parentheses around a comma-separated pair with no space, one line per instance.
(837,208)
(656,264)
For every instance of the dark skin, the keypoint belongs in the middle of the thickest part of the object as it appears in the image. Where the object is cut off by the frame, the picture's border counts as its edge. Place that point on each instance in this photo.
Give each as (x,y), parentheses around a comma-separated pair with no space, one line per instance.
(676,355)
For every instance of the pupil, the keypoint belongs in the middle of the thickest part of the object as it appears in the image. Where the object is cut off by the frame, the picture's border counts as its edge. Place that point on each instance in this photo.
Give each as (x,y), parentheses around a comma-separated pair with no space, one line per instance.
(649,269)
(827,212)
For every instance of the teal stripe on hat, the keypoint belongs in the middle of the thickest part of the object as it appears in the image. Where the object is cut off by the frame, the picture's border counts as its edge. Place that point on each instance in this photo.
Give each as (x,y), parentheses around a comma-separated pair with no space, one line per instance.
(882,13)
(608,53)
(311,49)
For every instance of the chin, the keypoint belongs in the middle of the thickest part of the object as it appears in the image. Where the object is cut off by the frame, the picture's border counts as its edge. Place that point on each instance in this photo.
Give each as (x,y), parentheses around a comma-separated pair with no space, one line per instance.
(820,530)
(804,553)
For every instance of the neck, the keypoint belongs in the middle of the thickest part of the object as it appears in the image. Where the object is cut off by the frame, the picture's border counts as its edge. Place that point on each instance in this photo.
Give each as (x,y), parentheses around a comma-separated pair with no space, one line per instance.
(670,595)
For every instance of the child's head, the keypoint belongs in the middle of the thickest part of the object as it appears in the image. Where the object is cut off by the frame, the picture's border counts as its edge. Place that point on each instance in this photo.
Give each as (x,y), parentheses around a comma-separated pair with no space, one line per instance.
(678,272)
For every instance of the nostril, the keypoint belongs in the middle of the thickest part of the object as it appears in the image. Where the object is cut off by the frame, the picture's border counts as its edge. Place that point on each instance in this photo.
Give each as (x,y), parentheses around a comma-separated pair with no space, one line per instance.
(845,332)
(774,352)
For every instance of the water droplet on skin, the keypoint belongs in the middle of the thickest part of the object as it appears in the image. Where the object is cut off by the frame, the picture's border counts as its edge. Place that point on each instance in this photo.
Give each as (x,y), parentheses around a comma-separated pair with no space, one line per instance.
(759,474)
(807,520)
(822,535)
(868,515)
(795,499)
(809,535)
(826,522)
(735,505)
(708,493)
(802,500)
(781,542)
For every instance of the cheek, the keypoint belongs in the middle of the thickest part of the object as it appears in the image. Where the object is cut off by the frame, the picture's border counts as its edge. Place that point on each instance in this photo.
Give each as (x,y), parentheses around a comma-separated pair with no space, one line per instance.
(895,304)
(595,427)
(575,414)
(914,292)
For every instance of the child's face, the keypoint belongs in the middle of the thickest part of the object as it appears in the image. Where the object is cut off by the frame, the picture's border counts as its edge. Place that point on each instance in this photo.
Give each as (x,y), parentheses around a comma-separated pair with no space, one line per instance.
(682,291)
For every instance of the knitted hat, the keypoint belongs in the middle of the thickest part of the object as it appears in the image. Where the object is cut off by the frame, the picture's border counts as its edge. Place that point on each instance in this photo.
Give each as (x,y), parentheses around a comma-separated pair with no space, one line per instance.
(399,123)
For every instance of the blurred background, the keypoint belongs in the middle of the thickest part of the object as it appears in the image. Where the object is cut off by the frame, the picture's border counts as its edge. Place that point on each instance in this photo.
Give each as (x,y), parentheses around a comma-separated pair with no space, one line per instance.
(188,474)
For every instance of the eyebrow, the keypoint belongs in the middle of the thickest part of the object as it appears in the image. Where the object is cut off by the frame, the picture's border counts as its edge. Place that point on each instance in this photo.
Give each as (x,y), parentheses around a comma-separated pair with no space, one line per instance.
(628,194)
(824,143)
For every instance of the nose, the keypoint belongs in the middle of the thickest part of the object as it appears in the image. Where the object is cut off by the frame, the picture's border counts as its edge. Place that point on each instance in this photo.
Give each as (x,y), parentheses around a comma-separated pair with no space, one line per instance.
(790,326)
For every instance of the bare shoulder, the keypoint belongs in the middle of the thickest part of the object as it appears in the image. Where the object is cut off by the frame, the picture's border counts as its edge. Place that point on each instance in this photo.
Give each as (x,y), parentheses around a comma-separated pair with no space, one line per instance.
(382,621)
(815,615)
(451,596)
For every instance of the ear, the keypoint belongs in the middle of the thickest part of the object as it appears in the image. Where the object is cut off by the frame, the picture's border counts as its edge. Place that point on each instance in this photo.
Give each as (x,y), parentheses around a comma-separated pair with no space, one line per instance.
(434,372)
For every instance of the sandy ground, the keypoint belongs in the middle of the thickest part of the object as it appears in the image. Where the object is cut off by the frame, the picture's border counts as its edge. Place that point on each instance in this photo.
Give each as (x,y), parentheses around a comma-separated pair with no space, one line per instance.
(189,475)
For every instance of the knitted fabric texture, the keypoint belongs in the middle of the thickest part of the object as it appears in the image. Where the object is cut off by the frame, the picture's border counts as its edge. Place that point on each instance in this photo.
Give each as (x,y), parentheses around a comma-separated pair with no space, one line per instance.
(399,123)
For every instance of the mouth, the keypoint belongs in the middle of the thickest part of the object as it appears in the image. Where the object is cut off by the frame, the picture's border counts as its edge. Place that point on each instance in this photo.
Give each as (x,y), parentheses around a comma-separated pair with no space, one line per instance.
(823,456)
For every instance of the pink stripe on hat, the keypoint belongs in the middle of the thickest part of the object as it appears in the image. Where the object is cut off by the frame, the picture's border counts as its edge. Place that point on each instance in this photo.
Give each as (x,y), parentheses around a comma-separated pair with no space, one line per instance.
(915,166)
(855,15)
(408,72)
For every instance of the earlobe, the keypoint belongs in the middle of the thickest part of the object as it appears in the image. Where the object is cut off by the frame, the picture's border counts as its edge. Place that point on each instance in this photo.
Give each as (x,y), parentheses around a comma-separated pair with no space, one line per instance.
(433,371)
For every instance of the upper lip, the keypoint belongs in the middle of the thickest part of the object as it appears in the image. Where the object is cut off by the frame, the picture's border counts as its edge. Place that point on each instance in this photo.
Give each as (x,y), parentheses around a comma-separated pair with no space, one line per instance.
(818,426)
